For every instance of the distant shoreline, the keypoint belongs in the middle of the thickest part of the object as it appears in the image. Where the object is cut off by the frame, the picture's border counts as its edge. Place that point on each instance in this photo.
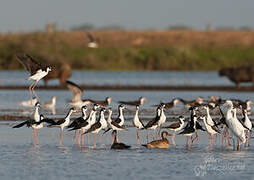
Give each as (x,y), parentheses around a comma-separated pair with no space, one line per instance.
(177,50)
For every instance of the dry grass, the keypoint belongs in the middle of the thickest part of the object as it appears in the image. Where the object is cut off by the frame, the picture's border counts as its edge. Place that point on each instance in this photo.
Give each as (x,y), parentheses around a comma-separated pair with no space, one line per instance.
(133,50)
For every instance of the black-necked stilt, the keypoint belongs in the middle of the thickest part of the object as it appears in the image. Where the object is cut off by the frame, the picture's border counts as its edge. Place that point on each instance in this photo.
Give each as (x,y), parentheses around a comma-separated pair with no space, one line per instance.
(36,70)
(189,130)
(62,124)
(178,126)
(96,127)
(117,124)
(77,92)
(162,119)
(92,42)
(116,144)
(86,124)
(210,129)
(77,121)
(170,104)
(195,102)
(244,104)
(247,124)
(153,124)
(104,103)
(137,123)
(139,102)
(163,143)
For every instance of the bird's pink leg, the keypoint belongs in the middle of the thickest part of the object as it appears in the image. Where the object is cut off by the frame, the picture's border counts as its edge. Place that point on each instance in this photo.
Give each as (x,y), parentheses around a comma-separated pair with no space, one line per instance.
(79,137)
(88,139)
(153,134)
(33,136)
(138,137)
(74,137)
(197,140)
(173,139)
(36,137)
(31,94)
(61,137)
(248,139)
(82,139)
(36,82)
(147,136)
(215,140)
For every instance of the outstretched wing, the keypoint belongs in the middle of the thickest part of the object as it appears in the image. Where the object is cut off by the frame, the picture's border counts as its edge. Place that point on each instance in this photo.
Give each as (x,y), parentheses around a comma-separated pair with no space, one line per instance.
(29,63)
(76,91)
(20,125)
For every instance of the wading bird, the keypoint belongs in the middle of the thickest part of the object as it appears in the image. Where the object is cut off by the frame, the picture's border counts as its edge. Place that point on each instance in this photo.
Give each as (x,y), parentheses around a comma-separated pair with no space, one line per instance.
(36,70)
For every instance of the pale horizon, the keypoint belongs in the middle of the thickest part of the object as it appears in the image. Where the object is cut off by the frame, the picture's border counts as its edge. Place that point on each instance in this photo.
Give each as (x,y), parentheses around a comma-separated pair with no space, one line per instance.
(30,15)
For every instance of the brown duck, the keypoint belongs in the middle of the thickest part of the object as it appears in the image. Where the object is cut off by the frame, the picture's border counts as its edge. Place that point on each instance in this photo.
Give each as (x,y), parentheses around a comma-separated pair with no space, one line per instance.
(163,143)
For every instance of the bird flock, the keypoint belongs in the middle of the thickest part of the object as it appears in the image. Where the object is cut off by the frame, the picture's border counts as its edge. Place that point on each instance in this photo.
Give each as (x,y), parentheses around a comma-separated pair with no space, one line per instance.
(234,130)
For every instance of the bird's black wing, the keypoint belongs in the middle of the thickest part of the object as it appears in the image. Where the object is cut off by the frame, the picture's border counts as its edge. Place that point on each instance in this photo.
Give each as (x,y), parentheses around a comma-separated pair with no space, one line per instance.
(76,122)
(93,127)
(117,120)
(198,126)
(152,122)
(47,120)
(29,63)
(20,125)
(131,103)
(78,126)
(117,125)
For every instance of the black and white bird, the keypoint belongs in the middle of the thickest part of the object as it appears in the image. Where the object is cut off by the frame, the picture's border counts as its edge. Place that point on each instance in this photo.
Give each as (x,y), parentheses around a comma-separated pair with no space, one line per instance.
(170,104)
(92,41)
(117,124)
(77,92)
(163,117)
(138,123)
(36,70)
(86,124)
(104,103)
(62,123)
(77,121)
(247,124)
(139,102)
(153,124)
(177,126)
(210,129)
(99,125)
(189,130)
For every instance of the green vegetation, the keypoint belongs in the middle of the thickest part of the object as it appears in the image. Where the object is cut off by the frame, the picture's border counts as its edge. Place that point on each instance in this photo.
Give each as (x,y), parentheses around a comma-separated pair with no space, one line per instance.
(130,50)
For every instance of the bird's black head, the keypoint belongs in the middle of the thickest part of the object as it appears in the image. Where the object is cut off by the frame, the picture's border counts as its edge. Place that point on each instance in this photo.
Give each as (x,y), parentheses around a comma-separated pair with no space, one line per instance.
(84,107)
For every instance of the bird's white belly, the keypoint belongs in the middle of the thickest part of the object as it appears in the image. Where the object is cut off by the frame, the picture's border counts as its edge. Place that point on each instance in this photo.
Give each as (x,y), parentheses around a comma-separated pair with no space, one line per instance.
(38,76)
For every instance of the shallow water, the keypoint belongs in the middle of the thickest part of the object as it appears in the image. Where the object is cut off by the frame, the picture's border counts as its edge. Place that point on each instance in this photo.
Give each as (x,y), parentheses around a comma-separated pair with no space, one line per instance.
(21,160)
(177,78)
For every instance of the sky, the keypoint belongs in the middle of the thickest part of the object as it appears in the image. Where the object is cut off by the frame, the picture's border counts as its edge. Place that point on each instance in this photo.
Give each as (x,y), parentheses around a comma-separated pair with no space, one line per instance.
(30,15)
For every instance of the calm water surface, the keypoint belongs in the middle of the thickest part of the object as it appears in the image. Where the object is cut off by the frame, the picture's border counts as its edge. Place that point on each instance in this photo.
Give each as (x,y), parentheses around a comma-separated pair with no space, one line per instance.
(126,78)
(21,160)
